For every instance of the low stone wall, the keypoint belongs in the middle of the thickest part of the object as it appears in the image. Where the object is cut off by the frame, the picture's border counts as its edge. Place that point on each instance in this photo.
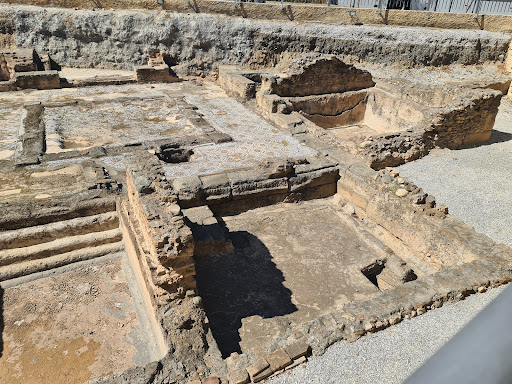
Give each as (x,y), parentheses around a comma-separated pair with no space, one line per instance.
(467,119)
(271,183)
(407,213)
(236,85)
(457,260)
(164,238)
(164,249)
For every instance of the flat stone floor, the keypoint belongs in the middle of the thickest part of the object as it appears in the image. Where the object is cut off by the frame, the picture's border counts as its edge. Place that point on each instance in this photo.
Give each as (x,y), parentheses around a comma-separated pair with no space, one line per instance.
(117,121)
(254,139)
(72,325)
(292,262)
(38,182)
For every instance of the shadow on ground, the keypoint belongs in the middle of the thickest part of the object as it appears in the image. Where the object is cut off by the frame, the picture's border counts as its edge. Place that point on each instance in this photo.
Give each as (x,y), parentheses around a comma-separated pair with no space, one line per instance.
(240,284)
(496,137)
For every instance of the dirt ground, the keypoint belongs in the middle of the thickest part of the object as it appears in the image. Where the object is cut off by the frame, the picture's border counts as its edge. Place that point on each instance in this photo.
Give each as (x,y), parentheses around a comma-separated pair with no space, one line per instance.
(72,327)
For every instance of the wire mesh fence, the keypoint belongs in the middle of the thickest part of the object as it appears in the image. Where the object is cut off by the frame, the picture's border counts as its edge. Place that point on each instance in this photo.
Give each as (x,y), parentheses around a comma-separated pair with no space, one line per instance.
(483,7)
(478,7)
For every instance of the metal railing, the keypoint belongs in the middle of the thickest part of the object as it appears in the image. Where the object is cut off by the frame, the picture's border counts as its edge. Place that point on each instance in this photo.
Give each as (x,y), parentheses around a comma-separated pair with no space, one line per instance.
(477,7)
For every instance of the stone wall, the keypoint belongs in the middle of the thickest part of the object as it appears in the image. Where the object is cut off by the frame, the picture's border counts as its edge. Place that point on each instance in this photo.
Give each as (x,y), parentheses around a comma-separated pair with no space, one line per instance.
(197,43)
(317,75)
(165,240)
(271,183)
(407,213)
(164,248)
(467,118)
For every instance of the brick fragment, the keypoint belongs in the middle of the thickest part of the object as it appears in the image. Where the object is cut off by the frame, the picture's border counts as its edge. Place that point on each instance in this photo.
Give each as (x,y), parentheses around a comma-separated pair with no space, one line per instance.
(258,366)
(262,375)
(278,360)
(297,349)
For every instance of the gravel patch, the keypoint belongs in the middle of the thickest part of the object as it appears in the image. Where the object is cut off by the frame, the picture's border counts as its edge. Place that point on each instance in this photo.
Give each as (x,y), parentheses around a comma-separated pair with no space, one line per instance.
(474,182)
(393,354)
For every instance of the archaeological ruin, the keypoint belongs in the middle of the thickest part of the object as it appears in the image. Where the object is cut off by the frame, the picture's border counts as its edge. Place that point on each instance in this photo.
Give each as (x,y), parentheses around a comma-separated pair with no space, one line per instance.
(206,191)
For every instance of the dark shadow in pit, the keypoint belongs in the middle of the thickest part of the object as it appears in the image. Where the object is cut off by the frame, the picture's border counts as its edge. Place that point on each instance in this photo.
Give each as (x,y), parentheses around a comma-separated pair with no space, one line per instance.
(496,137)
(1,321)
(236,285)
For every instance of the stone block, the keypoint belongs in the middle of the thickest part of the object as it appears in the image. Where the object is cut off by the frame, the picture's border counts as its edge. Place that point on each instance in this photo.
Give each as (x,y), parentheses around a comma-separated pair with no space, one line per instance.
(38,80)
(260,188)
(211,380)
(278,360)
(216,187)
(187,188)
(276,169)
(257,367)
(198,215)
(236,85)
(262,375)
(268,103)
(297,349)
(209,236)
(313,179)
(246,184)
(314,164)
(159,73)
(299,361)
(239,377)
(290,121)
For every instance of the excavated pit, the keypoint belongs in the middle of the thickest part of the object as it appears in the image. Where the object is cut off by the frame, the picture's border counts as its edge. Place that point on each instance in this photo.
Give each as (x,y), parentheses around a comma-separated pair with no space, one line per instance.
(229,236)
(183,230)
(279,274)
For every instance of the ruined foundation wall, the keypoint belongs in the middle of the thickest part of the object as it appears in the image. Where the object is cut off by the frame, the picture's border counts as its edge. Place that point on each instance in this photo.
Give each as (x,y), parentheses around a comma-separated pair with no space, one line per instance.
(467,120)
(470,123)
(439,239)
(198,43)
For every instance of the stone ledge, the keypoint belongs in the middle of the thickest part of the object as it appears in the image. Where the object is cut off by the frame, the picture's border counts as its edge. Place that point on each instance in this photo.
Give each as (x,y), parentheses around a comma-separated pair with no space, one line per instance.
(38,80)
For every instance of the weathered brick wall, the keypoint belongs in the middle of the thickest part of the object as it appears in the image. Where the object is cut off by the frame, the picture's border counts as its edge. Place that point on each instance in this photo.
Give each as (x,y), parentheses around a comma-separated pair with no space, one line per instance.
(407,213)
(166,240)
(468,123)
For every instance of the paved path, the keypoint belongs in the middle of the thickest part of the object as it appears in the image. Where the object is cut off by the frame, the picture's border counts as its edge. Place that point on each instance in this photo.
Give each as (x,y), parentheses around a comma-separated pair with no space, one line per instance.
(475,183)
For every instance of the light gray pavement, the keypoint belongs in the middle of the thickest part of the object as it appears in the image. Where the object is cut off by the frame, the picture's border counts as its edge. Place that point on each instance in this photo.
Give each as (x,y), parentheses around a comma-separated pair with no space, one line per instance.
(475,183)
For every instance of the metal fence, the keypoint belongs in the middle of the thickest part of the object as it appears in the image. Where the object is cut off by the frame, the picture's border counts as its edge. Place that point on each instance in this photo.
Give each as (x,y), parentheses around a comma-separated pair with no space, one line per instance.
(482,7)
(477,7)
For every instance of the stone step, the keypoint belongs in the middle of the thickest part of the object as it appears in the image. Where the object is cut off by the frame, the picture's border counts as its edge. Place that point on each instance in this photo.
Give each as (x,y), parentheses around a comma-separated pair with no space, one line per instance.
(32,266)
(59,246)
(27,218)
(39,234)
